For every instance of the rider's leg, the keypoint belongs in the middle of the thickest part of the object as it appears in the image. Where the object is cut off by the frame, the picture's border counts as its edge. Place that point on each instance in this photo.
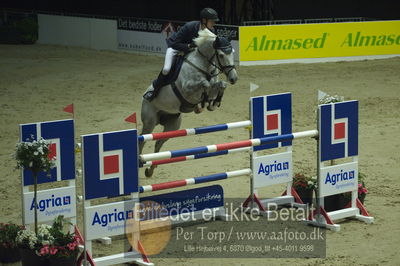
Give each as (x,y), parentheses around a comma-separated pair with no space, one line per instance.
(159,82)
(169,58)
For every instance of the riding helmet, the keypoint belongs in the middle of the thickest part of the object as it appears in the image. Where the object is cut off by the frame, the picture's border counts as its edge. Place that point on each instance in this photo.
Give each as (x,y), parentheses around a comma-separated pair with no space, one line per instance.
(209,13)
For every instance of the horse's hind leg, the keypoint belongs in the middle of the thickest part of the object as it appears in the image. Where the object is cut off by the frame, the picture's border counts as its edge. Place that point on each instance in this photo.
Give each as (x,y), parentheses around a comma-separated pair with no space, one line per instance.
(170,122)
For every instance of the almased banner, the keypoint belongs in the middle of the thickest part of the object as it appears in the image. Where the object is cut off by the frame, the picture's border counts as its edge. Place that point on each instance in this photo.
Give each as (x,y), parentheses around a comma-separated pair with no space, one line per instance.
(279,42)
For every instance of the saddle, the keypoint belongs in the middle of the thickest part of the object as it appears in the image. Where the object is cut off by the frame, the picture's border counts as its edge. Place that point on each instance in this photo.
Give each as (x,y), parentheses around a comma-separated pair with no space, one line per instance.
(170,78)
(173,74)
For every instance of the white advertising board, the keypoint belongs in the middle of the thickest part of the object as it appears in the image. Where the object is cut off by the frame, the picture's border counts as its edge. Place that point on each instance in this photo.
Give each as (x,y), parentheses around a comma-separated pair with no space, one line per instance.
(272,169)
(51,203)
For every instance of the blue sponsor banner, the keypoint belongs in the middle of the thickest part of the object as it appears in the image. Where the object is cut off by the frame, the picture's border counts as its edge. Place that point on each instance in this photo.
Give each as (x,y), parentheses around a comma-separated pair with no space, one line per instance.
(338,130)
(190,200)
(61,135)
(271,116)
(110,162)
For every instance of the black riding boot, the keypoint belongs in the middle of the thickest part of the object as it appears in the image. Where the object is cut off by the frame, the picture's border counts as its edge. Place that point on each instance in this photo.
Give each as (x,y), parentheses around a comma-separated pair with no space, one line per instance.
(157,85)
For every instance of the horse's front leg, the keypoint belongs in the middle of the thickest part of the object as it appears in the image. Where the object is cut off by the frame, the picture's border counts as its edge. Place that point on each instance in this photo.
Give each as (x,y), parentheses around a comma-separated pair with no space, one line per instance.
(219,87)
(205,85)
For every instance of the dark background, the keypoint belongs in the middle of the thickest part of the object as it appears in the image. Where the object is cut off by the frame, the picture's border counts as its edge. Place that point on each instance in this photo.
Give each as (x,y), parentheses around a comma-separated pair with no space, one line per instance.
(230,11)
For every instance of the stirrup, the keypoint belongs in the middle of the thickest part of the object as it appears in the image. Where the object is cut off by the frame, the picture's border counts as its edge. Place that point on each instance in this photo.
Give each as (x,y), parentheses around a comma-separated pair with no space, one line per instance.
(149,96)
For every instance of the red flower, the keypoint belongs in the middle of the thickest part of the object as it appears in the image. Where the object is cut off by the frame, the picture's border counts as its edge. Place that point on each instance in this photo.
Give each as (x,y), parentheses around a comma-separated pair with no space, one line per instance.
(71,246)
(44,250)
(362,189)
(53,251)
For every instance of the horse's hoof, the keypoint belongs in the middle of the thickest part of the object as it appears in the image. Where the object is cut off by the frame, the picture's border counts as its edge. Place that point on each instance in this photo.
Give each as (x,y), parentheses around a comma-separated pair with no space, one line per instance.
(213,105)
(198,110)
(148,172)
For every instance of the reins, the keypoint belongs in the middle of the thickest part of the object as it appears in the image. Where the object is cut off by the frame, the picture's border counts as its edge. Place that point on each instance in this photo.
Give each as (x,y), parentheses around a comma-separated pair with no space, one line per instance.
(218,66)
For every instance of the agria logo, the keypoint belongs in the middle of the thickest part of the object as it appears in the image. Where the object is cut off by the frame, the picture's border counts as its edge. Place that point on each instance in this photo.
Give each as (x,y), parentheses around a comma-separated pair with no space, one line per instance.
(108,218)
(339,177)
(273,167)
(110,164)
(51,202)
(338,130)
(272,116)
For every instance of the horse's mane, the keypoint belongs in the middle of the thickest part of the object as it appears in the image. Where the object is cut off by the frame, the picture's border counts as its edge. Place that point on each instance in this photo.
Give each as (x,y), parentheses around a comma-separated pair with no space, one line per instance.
(204,35)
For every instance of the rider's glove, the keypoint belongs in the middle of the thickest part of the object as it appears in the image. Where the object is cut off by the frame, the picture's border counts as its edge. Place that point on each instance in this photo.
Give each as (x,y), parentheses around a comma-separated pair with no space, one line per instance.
(192,45)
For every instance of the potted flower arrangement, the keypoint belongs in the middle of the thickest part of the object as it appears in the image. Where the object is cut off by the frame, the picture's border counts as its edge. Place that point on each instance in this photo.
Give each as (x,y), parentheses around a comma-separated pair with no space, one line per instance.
(63,250)
(30,242)
(52,245)
(304,186)
(9,251)
(34,155)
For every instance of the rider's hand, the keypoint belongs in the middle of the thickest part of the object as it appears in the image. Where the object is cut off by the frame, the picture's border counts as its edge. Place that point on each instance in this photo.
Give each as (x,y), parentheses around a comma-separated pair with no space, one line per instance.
(191,45)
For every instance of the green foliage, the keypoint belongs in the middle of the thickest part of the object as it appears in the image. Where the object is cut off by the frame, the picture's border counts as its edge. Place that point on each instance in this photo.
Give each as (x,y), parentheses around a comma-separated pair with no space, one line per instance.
(8,234)
(61,235)
(300,181)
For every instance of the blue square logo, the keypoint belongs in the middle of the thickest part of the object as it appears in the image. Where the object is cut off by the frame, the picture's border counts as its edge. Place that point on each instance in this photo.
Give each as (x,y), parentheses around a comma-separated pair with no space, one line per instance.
(110,162)
(271,116)
(338,130)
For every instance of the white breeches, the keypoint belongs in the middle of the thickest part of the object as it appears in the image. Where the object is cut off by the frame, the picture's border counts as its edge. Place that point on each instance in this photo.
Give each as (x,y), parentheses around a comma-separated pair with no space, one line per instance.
(169,57)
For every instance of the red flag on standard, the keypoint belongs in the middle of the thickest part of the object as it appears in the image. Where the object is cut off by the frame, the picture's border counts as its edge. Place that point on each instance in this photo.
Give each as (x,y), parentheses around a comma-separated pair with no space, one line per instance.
(131,118)
(69,108)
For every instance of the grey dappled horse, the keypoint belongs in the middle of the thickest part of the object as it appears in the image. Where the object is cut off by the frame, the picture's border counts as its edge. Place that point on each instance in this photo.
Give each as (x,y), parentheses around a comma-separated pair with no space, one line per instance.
(197,87)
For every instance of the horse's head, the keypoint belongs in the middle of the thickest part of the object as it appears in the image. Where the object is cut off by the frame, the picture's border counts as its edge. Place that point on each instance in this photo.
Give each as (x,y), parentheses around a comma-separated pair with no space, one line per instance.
(224,54)
(211,46)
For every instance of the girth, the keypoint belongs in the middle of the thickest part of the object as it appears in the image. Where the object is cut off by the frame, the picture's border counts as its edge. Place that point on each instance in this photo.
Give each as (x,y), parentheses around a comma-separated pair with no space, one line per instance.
(186,107)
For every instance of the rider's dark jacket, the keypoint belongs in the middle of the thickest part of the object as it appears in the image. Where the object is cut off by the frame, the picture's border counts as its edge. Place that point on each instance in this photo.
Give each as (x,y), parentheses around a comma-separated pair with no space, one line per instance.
(179,40)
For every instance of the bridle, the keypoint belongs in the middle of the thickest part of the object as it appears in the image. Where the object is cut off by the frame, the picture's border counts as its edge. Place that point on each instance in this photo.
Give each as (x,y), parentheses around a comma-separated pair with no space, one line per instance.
(219,66)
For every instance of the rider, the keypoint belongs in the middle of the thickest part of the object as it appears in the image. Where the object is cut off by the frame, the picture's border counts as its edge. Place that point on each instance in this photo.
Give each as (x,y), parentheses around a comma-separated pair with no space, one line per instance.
(182,40)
